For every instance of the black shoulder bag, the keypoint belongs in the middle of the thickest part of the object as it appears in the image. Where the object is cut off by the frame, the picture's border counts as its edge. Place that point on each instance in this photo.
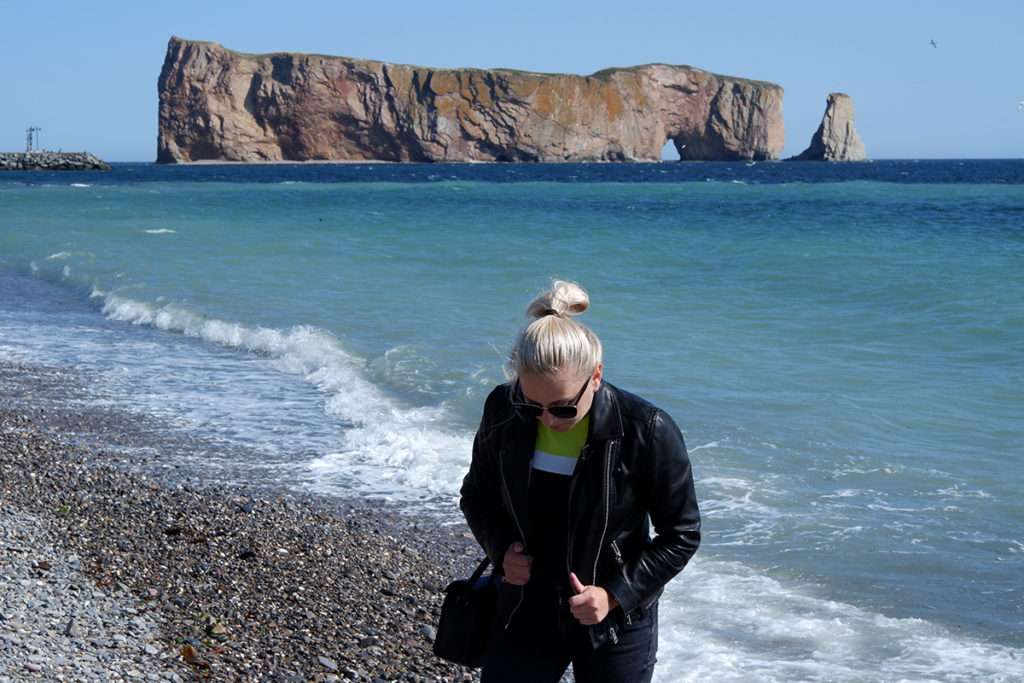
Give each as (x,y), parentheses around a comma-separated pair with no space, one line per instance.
(466,618)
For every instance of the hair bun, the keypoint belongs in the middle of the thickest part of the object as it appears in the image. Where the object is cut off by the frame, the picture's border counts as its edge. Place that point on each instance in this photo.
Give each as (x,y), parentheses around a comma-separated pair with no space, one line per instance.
(554,342)
(564,300)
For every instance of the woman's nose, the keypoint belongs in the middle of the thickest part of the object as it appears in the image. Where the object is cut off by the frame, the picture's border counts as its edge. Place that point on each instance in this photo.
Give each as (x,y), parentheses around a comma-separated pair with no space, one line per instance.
(547,419)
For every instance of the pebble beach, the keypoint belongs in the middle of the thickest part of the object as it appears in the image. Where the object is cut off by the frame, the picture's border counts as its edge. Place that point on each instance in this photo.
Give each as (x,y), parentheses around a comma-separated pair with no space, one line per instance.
(112,573)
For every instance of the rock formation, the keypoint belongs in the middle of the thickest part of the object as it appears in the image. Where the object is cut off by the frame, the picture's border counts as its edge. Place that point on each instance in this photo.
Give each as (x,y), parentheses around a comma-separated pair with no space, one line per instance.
(836,138)
(217,104)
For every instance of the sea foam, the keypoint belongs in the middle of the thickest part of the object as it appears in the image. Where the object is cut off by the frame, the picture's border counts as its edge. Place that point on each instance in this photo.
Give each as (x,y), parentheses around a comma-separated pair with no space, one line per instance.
(399,451)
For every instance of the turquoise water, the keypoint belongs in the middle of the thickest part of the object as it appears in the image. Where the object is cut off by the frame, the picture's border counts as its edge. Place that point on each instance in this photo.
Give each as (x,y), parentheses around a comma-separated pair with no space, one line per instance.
(841,344)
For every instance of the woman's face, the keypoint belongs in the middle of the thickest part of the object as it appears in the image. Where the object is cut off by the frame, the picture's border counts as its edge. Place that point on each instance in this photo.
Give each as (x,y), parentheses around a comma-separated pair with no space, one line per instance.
(560,389)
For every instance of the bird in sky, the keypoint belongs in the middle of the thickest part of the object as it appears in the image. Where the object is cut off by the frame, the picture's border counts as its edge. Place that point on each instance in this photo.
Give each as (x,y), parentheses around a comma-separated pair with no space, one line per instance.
(933,44)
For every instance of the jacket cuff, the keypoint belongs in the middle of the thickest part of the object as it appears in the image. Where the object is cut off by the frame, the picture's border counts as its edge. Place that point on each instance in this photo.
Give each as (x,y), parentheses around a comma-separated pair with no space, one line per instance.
(623,593)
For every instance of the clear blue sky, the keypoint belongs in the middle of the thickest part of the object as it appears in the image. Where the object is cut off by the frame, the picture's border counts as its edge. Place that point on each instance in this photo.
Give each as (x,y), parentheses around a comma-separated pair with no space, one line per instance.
(86,72)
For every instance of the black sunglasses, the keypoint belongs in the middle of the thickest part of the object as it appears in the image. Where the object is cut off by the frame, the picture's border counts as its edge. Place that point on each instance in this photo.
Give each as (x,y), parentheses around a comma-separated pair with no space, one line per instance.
(534,410)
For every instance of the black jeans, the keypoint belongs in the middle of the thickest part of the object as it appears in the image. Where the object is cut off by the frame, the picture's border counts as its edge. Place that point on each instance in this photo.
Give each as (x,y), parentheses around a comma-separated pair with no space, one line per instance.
(543,638)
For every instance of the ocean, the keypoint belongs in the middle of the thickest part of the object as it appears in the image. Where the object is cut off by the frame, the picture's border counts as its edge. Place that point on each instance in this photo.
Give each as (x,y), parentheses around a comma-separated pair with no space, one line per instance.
(842,345)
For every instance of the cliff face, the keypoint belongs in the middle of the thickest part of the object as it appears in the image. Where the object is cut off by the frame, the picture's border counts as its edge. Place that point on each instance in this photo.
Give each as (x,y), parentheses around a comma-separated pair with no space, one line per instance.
(836,139)
(223,105)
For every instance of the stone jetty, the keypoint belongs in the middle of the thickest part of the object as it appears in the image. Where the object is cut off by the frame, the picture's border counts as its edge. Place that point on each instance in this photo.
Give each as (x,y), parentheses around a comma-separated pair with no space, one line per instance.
(51,161)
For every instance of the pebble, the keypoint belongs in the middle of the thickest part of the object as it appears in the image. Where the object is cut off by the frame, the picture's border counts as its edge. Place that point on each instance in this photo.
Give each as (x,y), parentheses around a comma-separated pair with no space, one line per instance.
(51,633)
(112,573)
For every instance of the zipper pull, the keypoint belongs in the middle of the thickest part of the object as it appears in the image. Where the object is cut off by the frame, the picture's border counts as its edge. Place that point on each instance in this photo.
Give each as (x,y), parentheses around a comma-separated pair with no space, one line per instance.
(618,554)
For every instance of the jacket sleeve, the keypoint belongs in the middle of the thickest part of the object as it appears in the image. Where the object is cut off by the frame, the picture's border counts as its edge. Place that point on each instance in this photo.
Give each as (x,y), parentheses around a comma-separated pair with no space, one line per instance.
(675,516)
(481,494)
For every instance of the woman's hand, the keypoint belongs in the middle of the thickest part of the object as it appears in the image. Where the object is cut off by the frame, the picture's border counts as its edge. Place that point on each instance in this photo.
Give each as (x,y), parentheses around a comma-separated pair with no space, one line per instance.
(517,565)
(591,604)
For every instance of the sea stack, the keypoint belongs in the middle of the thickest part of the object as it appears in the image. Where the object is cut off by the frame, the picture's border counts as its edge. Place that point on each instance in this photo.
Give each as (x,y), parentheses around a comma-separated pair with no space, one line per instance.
(836,138)
(217,104)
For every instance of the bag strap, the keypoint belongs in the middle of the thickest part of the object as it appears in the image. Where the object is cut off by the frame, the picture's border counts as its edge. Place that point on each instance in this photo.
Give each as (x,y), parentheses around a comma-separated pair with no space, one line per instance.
(468,588)
(479,570)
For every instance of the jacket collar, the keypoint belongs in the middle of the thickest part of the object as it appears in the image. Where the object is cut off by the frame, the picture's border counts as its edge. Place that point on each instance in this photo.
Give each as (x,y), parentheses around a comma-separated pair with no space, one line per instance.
(605,416)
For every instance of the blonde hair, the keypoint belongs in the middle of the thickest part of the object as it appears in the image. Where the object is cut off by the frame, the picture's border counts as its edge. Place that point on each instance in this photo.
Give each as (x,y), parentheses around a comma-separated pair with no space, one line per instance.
(553,341)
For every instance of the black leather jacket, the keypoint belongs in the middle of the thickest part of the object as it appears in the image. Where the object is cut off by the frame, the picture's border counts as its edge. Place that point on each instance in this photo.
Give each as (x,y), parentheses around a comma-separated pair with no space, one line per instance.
(633,472)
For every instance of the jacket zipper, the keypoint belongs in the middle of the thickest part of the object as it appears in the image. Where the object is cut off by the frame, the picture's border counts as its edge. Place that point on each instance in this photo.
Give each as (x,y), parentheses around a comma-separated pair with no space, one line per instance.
(618,553)
(607,504)
(569,536)
(512,510)
(604,529)
(607,511)
(619,561)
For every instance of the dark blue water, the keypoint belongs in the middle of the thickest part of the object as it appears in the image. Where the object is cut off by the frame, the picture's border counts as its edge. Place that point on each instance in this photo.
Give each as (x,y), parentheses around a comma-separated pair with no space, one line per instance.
(927,171)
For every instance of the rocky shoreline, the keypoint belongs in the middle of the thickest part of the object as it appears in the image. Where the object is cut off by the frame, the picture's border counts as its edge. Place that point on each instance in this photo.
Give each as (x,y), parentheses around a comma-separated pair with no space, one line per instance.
(51,161)
(115,574)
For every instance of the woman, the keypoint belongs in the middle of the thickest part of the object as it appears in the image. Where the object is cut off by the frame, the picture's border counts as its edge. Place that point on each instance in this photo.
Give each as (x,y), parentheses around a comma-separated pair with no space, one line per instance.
(568,474)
